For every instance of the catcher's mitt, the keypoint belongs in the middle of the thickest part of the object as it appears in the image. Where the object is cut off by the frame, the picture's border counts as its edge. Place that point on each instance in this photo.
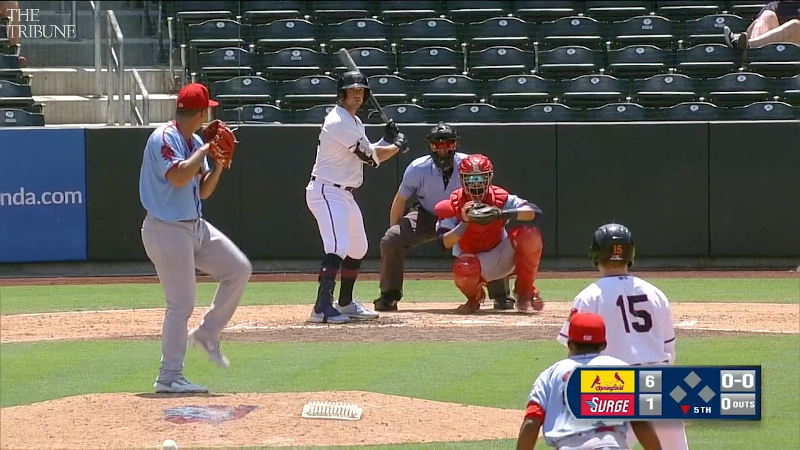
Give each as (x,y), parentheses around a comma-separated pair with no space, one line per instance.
(222,142)
(484,214)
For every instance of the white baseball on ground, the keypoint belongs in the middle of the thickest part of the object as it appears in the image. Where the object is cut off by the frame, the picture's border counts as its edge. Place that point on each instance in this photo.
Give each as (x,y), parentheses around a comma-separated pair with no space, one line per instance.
(169,444)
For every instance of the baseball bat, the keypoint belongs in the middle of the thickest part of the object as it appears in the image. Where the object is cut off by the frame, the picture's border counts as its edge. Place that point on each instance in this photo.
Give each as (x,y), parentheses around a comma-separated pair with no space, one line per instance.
(344,56)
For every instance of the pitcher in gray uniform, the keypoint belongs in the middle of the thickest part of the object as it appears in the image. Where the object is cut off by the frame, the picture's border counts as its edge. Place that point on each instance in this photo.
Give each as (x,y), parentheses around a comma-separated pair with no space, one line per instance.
(175,177)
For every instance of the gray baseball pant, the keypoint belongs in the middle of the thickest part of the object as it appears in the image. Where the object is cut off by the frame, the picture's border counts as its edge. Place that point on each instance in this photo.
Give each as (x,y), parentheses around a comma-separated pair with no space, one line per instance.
(415,228)
(176,249)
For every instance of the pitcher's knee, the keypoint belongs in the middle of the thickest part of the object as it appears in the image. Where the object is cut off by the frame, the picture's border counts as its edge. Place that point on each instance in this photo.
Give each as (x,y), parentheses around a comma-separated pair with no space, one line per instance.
(181,310)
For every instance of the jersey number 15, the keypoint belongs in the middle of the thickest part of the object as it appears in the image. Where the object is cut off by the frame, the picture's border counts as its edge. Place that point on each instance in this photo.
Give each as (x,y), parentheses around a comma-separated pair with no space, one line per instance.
(647,320)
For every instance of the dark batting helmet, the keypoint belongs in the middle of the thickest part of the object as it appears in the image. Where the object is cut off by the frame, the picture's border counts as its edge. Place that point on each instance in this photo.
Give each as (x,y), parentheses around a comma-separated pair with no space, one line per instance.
(612,242)
(352,79)
(443,137)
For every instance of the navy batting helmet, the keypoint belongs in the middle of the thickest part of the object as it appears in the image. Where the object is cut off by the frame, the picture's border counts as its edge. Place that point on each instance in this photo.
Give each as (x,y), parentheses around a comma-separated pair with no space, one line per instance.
(612,242)
(352,79)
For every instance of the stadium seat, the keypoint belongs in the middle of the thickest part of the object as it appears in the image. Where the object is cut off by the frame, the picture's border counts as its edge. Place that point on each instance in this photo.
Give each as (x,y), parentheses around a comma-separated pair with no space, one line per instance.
(789,90)
(568,62)
(308,91)
(507,31)
(225,63)
(261,12)
(403,113)
(665,90)
(593,90)
(403,11)
(547,10)
(496,62)
(747,9)
(641,30)
(10,69)
(191,12)
(293,62)
(474,113)
(438,32)
(16,96)
(739,89)
(638,61)
(515,91)
(283,33)
(546,112)
(691,111)
(391,89)
(775,60)
(707,60)
(238,91)
(256,113)
(358,33)
(688,9)
(217,33)
(618,10)
(575,30)
(430,62)
(708,29)
(313,115)
(466,11)
(767,110)
(618,112)
(446,91)
(370,61)
(333,11)
(12,117)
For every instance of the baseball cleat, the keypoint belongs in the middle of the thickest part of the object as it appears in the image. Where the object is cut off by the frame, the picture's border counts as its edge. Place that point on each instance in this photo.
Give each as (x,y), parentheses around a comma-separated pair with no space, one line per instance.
(503,304)
(356,310)
(214,353)
(385,304)
(468,308)
(328,315)
(180,386)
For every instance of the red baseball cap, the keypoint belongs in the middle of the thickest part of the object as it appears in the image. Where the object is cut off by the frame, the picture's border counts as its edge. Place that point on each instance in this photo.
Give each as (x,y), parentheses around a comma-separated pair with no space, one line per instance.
(587,328)
(194,96)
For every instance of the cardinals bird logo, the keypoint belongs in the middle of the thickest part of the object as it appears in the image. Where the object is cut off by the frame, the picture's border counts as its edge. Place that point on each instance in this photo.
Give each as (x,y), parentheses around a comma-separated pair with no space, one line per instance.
(617,377)
(597,380)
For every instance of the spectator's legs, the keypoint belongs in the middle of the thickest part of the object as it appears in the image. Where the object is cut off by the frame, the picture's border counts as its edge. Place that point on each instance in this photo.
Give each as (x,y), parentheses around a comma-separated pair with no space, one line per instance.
(765,22)
(788,32)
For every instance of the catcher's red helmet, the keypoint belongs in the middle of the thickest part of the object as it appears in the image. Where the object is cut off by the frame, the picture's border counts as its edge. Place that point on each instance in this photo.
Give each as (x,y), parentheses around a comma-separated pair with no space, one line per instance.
(476,172)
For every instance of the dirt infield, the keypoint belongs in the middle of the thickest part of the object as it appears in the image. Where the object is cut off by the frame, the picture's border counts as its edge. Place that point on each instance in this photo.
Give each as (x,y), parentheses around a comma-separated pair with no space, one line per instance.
(139,419)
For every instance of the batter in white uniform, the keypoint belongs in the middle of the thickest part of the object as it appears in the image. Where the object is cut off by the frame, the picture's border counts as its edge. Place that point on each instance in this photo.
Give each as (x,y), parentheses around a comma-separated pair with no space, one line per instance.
(638,315)
(547,402)
(342,152)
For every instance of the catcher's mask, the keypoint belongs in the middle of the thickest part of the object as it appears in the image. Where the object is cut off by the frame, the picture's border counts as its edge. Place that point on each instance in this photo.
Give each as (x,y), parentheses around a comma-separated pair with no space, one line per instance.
(476,172)
(352,79)
(443,137)
(612,242)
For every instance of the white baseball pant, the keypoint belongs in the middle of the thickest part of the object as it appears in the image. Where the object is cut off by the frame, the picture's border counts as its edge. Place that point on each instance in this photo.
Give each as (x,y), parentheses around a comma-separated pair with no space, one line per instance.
(607,440)
(339,219)
(176,249)
(671,434)
(498,262)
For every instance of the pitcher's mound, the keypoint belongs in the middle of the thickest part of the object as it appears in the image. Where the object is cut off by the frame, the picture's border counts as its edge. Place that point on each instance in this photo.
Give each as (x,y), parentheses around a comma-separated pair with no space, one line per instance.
(230,420)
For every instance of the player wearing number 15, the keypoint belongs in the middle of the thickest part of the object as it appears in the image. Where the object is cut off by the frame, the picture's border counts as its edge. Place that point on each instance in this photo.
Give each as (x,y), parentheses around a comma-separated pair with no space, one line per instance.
(637,314)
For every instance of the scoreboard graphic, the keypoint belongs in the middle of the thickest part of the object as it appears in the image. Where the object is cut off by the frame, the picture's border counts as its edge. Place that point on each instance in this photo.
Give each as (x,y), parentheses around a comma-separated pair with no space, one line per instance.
(665,392)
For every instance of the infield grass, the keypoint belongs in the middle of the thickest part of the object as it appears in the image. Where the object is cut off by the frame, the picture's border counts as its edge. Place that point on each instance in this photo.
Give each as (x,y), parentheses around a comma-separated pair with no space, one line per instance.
(38,371)
(37,299)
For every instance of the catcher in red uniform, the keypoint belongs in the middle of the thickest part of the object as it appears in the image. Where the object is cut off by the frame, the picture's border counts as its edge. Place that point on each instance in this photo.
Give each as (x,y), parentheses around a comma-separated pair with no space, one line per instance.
(472,222)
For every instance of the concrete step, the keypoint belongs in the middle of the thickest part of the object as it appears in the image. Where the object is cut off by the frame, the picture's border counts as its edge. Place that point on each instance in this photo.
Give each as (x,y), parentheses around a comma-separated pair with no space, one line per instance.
(73,109)
(61,53)
(81,81)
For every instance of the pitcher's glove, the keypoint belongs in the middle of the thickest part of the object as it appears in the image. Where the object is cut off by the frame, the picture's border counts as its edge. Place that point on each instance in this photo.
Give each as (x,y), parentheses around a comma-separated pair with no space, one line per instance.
(222,142)
(484,214)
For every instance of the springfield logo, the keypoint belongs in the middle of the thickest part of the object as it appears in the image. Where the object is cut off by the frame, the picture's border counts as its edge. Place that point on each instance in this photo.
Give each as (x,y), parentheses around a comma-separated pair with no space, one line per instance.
(607,381)
(29,27)
(23,198)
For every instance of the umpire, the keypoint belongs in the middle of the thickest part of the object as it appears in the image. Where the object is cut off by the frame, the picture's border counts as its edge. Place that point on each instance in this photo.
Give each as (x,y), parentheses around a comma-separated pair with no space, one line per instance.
(432,178)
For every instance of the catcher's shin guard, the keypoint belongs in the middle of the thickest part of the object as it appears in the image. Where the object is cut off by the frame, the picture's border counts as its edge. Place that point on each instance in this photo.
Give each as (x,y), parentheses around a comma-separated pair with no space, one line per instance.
(527,244)
(467,276)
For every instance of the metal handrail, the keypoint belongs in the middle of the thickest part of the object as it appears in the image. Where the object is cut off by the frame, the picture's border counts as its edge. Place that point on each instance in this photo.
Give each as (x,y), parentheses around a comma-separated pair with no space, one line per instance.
(98,46)
(142,117)
(171,31)
(115,63)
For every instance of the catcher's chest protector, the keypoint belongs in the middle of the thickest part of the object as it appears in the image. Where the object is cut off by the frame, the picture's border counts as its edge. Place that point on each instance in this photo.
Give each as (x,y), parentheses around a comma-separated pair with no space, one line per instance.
(480,238)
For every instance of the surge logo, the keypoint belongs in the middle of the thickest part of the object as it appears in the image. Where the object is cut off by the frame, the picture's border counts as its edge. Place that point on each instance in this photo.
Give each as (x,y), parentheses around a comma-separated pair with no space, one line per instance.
(607,405)
(608,381)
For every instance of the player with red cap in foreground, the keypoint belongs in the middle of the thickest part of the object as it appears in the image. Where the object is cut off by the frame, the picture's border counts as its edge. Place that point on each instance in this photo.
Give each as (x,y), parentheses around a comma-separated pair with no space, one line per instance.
(472,222)
(547,401)
(175,176)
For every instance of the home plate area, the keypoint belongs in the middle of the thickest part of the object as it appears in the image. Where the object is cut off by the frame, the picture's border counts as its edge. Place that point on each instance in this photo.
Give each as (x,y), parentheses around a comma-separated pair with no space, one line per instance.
(131,420)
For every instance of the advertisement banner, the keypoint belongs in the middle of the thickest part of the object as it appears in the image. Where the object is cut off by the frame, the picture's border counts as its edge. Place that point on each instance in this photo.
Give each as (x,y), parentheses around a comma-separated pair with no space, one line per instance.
(42,195)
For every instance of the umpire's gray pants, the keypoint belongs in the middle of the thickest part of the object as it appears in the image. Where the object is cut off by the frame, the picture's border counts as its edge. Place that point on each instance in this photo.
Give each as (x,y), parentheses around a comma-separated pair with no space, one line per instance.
(415,228)
(176,249)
